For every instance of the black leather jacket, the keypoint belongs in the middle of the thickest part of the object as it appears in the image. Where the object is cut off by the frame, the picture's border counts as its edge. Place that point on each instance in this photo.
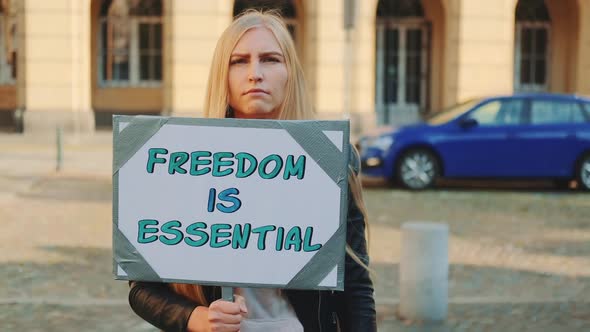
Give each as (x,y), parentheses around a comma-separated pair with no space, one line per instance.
(352,310)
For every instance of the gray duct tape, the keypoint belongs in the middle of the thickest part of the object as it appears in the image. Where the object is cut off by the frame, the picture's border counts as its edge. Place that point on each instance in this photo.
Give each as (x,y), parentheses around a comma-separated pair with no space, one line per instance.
(321,263)
(130,260)
(319,147)
(326,155)
(139,130)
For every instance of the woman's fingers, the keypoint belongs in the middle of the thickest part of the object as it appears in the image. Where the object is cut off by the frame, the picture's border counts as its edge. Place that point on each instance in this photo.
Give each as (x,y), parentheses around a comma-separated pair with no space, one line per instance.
(220,327)
(241,301)
(220,317)
(225,307)
(226,316)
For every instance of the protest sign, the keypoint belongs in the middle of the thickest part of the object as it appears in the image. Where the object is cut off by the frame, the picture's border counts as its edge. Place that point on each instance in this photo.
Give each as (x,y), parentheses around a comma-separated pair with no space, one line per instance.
(228,202)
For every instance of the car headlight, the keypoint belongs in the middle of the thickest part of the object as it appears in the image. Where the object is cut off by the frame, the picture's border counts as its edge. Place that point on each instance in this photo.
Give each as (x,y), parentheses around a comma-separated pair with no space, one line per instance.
(382,143)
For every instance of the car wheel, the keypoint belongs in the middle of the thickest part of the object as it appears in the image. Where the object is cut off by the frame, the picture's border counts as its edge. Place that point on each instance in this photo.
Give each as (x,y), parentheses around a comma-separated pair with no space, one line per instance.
(584,173)
(417,169)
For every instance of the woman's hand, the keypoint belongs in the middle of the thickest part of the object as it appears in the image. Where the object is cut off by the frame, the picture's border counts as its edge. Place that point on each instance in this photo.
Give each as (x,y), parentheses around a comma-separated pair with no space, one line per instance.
(220,316)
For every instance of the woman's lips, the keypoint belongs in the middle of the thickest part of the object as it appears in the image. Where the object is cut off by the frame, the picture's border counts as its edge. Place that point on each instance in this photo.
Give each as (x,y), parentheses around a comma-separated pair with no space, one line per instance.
(256,91)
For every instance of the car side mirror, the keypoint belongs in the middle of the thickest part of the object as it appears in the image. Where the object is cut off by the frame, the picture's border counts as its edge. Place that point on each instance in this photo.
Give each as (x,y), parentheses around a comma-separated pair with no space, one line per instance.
(467,123)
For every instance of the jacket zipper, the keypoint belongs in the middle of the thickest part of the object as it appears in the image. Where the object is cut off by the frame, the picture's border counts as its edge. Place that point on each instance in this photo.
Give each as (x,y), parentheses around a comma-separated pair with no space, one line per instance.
(335,318)
(319,310)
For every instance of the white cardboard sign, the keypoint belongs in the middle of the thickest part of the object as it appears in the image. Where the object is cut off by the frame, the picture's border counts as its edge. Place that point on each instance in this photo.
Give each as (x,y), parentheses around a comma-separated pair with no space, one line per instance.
(230,202)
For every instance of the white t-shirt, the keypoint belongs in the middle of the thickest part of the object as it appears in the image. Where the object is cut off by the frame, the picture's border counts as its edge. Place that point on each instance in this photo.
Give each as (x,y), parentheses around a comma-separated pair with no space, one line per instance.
(268,311)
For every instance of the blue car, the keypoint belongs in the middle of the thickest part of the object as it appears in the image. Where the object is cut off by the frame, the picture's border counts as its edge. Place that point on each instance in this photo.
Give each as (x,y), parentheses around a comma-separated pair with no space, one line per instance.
(525,136)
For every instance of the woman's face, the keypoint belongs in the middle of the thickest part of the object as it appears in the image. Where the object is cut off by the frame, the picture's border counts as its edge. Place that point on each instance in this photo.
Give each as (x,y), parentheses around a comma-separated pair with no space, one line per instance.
(257,76)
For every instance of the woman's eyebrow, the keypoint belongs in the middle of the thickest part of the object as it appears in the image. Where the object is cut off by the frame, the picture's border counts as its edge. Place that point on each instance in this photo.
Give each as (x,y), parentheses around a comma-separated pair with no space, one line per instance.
(247,55)
(271,53)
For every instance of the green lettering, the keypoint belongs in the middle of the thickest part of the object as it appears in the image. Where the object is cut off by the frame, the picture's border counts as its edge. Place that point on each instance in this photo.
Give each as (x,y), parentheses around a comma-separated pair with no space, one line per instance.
(261,231)
(142,230)
(193,229)
(307,246)
(241,236)
(280,235)
(168,228)
(153,158)
(242,157)
(218,163)
(196,162)
(216,233)
(294,168)
(177,159)
(293,238)
(278,166)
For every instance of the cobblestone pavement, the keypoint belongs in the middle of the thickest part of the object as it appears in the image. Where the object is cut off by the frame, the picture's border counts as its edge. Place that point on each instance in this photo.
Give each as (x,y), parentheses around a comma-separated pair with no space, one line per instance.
(520,257)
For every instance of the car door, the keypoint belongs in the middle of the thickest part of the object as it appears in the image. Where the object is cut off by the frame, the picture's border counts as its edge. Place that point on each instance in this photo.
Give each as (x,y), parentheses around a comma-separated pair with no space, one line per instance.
(548,142)
(478,144)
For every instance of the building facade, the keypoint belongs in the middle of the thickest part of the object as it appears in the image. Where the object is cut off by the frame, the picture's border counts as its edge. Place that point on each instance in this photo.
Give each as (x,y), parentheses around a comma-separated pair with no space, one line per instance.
(74,63)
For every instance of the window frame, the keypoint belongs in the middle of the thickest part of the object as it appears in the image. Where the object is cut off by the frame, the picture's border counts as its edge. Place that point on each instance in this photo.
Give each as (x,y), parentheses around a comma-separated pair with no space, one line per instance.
(134,80)
(384,105)
(534,87)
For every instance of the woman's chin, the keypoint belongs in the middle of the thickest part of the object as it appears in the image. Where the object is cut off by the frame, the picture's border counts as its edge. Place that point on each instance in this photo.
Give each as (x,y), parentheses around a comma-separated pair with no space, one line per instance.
(258,113)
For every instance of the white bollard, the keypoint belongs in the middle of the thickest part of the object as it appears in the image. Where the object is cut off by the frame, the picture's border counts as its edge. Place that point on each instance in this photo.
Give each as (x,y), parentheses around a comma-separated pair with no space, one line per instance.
(424,271)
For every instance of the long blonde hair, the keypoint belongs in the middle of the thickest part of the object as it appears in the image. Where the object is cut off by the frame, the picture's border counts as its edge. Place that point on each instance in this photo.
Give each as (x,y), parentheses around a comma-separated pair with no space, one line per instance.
(296,106)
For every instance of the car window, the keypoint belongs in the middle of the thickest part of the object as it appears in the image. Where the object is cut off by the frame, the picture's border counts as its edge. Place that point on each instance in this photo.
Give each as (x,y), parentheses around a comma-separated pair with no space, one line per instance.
(555,111)
(498,112)
(452,112)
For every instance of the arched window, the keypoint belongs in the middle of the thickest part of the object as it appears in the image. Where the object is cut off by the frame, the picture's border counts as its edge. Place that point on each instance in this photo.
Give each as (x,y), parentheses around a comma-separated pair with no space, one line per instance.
(8,42)
(531,62)
(285,7)
(130,43)
(400,8)
(401,63)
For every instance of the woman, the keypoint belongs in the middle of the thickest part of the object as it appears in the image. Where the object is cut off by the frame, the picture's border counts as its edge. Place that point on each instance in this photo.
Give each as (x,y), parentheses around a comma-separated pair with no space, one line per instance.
(256,75)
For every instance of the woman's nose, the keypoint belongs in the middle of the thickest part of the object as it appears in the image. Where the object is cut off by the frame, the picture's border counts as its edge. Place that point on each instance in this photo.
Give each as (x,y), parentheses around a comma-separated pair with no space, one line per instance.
(255,75)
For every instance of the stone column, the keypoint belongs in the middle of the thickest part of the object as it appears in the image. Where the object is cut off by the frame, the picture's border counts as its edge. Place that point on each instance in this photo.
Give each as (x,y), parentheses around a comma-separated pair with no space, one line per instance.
(363,96)
(329,69)
(424,271)
(55,61)
(192,30)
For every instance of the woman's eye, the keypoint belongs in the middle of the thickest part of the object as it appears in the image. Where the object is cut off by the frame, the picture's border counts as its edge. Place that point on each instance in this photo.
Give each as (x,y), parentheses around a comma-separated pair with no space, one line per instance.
(237,61)
(271,59)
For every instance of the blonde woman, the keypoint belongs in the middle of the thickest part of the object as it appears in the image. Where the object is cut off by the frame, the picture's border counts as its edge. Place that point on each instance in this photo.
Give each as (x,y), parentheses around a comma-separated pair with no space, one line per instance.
(256,75)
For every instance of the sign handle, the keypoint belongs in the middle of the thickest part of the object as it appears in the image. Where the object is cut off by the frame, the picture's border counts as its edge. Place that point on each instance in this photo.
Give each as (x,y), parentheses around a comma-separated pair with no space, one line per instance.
(227,294)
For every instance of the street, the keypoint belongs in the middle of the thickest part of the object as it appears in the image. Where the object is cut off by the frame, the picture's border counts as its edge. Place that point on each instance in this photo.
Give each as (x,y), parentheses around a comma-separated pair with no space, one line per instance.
(519,258)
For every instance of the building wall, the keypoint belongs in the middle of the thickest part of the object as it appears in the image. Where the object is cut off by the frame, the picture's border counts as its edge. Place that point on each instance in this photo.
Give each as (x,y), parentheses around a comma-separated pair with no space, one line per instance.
(472,54)
(56,66)
(193,30)
(582,79)
(564,39)
(485,47)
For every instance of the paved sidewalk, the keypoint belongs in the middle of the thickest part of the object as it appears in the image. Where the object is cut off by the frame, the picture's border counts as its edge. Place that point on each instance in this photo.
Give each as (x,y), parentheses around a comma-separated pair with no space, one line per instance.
(520,260)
